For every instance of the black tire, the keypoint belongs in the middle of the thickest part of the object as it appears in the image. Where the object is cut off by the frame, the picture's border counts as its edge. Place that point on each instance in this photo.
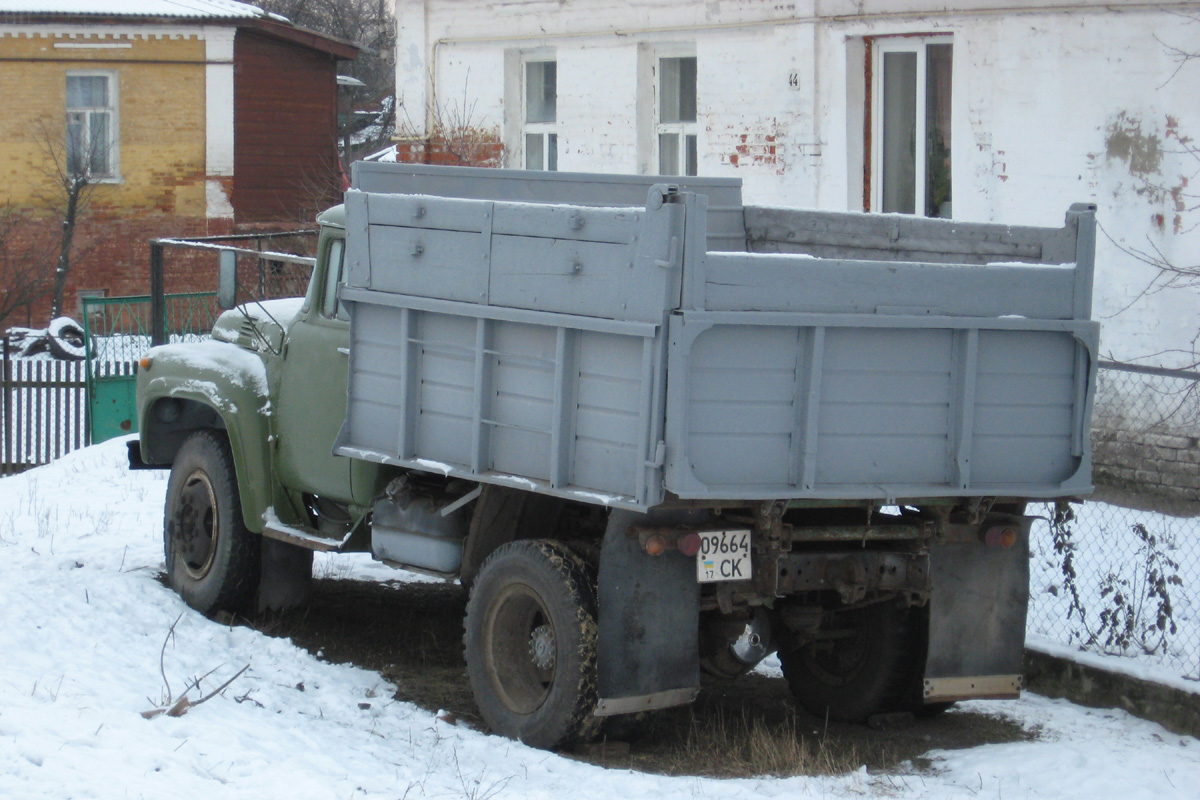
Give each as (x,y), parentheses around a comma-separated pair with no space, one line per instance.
(65,339)
(861,670)
(212,560)
(530,644)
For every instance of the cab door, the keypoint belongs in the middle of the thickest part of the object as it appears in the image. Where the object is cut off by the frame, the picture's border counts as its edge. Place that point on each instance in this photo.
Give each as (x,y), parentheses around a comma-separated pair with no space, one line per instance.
(312,391)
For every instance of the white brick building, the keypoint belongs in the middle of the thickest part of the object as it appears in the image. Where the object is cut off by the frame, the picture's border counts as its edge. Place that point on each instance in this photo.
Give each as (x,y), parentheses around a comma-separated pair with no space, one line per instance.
(1023,108)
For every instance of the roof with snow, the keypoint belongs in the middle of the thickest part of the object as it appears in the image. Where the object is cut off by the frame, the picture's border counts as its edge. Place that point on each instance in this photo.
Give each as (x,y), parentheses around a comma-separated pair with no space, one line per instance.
(217,12)
(211,9)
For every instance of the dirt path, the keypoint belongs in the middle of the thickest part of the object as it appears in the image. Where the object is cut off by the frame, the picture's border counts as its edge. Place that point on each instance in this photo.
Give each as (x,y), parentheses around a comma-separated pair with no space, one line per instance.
(411,633)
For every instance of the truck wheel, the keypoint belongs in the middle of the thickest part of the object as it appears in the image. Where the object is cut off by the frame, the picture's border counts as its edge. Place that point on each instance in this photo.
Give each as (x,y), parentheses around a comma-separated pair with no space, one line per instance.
(530,644)
(212,560)
(857,671)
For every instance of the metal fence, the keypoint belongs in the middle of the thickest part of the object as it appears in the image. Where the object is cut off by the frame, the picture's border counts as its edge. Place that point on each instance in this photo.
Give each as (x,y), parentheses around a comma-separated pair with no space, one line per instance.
(1120,574)
(43,410)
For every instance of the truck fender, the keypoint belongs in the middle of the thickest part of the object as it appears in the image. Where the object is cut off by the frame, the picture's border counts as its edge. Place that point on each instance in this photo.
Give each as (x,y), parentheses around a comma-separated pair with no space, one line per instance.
(648,655)
(172,408)
(503,515)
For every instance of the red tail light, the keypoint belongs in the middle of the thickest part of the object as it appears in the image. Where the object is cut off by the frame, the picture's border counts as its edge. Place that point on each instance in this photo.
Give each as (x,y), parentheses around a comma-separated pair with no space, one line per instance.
(689,544)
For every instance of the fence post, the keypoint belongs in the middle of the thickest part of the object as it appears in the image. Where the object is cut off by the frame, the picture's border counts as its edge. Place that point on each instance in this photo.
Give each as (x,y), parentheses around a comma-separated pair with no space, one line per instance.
(158,300)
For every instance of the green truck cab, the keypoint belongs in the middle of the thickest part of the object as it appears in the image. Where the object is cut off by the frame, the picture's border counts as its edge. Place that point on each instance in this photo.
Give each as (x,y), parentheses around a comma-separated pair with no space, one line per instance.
(255,411)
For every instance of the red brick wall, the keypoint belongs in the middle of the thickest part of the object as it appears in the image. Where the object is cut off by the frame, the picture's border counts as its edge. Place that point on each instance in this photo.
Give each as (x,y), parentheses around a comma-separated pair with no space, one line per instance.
(475,148)
(285,130)
(113,253)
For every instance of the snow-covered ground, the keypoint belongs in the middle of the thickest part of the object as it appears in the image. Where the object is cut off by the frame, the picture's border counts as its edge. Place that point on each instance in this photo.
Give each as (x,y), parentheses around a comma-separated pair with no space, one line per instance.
(83,622)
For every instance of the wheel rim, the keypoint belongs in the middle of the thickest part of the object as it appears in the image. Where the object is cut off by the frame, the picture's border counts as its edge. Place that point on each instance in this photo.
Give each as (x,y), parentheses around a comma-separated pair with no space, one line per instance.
(521,649)
(196,525)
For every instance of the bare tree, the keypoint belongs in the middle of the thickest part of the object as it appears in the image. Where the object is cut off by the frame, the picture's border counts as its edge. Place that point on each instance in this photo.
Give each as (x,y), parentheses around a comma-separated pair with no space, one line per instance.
(38,244)
(455,136)
(73,164)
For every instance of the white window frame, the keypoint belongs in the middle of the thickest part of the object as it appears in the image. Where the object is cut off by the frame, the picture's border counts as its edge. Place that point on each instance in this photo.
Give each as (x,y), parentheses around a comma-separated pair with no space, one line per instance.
(547,131)
(880,46)
(681,130)
(113,172)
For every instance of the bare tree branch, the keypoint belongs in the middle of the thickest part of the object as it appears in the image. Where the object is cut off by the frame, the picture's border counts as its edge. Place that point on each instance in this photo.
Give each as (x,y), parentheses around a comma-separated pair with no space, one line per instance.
(24,256)
(455,130)
(66,196)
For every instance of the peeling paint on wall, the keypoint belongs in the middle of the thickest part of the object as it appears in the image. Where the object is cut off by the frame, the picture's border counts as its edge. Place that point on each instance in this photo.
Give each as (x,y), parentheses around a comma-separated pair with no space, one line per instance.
(1148,156)
(743,147)
(1126,141)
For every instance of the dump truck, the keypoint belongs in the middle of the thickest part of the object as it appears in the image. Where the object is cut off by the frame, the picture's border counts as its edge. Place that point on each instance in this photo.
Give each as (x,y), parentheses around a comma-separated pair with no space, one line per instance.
(651,430)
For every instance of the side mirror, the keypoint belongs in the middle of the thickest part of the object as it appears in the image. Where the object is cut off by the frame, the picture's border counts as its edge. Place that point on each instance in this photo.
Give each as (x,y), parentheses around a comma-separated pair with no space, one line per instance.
(227,280)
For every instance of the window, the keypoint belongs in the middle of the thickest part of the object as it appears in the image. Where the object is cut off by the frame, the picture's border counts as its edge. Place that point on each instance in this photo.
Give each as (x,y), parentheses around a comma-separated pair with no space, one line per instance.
(541,112)
(676,122)
(92,125)
(910,130)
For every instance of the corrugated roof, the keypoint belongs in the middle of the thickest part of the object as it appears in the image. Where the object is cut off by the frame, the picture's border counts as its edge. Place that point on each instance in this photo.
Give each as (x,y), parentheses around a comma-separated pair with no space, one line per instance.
(212,9)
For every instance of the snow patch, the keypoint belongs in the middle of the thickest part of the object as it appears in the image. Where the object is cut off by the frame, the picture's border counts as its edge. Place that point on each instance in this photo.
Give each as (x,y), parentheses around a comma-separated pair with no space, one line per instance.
(83,619)
(434,466)
(233,365)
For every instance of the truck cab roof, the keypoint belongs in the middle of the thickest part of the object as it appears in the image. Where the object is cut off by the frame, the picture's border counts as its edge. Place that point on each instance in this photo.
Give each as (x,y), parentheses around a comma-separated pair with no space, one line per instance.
(334,217)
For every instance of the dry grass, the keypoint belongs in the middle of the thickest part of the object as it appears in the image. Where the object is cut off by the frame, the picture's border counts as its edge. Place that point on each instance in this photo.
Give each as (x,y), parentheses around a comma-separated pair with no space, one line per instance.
(722,744)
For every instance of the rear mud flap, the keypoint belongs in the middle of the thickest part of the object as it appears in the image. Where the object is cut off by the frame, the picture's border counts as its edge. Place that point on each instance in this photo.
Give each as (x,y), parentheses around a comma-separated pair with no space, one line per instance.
(649,619)
(977,620)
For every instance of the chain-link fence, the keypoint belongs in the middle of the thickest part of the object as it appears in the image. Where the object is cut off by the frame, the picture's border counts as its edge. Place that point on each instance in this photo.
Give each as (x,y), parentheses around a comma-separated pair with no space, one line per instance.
(1120,574)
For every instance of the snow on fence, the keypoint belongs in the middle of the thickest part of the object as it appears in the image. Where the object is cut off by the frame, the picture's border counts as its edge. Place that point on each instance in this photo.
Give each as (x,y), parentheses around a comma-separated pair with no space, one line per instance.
(43,411)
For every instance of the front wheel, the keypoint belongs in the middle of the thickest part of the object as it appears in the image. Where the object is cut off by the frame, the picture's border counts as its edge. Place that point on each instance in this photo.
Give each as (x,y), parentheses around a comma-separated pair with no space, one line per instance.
(530,644)
(212,559)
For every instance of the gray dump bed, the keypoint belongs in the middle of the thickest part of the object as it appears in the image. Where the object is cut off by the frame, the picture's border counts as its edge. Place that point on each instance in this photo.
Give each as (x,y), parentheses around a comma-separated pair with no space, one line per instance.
(607,339)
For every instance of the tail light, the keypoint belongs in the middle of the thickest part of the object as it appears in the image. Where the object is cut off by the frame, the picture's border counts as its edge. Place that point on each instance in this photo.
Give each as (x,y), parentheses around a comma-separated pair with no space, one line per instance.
(689,544)
(656,541)
(1001,536)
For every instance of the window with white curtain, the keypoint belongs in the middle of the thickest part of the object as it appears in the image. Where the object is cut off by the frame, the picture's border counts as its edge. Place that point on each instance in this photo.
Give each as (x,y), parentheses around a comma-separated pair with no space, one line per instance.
(91,125)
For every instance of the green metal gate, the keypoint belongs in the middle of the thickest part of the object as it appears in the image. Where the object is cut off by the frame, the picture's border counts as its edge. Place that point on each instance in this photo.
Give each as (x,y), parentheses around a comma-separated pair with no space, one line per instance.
(118,333)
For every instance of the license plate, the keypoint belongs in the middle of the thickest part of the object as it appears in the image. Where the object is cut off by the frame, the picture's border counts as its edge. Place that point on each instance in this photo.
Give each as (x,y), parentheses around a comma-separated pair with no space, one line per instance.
(723,556)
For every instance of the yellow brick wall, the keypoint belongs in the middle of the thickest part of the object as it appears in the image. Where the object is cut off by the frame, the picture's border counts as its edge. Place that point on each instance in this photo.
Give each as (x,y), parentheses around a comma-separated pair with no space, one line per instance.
(161,118)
